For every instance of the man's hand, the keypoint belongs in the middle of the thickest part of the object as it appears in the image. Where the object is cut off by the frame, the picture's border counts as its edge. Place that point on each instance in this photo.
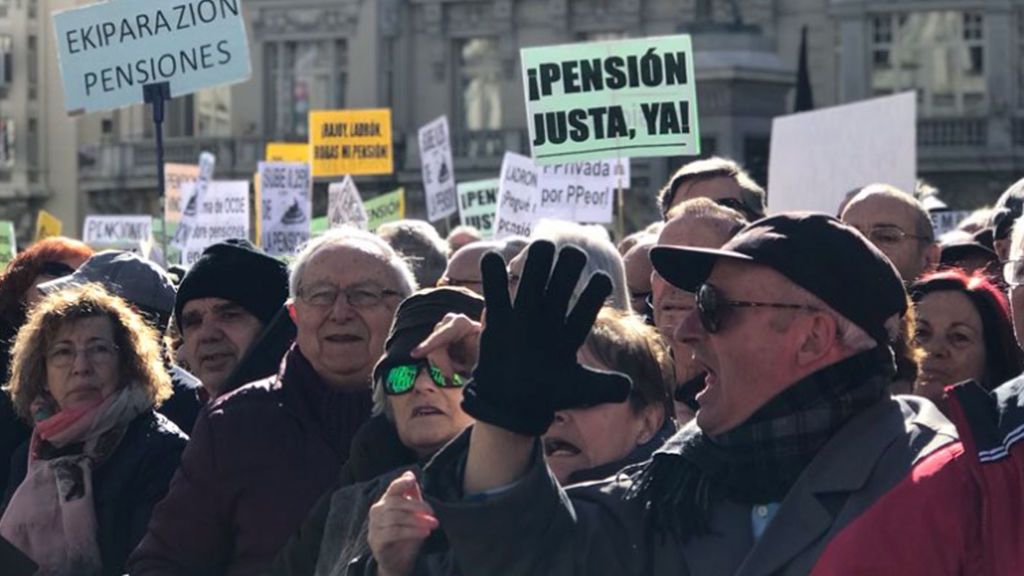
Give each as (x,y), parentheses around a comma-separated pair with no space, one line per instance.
(399,523)
(453,346)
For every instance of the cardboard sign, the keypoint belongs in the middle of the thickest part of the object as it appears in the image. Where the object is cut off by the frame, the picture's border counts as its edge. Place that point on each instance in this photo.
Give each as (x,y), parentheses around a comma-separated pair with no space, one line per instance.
(47,225)
(117,230)
(582,191)
(518,196)
(344,206)
(318,226)
(350,142)
(286,206)
(385,208)
(8,243)
(947,220)
(222,212)
(188,203)
(438,169)
(818,157)
(109,50)
(611,99)
(287,152)
(478,203)
(174,176)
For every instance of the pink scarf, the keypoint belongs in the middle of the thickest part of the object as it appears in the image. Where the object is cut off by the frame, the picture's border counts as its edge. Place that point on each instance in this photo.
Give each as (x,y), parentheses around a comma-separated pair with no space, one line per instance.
(51,517)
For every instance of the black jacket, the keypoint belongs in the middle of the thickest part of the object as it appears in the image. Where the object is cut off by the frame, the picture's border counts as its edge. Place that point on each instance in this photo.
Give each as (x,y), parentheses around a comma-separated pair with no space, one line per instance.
(126,486)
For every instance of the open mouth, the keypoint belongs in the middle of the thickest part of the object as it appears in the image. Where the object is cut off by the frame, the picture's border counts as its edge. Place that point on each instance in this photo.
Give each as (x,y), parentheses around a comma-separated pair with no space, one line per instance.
(213,361)
(556,447)
(426,411)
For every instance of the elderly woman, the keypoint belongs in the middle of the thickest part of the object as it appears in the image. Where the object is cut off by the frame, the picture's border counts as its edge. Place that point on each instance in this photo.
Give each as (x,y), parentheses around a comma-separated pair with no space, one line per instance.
(592,443)
(87,373)
(45,260)
(965,333)
(418,410)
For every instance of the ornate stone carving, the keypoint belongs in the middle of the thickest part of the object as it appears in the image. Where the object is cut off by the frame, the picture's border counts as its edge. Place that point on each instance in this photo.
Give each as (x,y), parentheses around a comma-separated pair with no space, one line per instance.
(339,18)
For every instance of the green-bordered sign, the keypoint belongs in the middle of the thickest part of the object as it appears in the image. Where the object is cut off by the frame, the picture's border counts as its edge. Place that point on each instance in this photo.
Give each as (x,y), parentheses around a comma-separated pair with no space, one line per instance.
(8,243)
(611,99)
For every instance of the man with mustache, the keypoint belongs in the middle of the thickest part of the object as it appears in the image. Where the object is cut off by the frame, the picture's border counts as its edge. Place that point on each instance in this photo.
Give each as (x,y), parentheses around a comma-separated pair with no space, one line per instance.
(260,456)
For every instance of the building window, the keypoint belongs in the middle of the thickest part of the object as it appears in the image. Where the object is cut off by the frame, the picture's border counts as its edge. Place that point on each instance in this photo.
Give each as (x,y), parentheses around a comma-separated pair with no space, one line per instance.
(303,76)
(479,87)
(940,54)
(33,8)
(33,60)
(32,143)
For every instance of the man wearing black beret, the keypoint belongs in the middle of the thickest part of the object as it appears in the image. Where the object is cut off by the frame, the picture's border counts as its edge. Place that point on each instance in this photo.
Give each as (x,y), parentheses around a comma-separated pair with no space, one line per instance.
(798,454)
(223,304)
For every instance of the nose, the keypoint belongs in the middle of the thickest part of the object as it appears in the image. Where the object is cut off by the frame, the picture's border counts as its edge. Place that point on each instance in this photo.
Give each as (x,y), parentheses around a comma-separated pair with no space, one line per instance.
(342,310)
(209,332)
(81,364)
(689,330)
(423,383)
(935,347)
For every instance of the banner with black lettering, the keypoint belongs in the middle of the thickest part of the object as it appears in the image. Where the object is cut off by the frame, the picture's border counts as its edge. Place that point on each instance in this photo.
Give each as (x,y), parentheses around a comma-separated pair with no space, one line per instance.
(285,206)
(478,205)
(582,191)
(518,197)
(222,213)
(345,206)
(621,98)
(117,231)
(438,170)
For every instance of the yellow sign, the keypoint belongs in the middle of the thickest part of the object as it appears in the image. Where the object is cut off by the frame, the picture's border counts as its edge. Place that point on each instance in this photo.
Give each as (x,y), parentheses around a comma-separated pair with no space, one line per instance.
(287,152)
(47,225)
(351,142)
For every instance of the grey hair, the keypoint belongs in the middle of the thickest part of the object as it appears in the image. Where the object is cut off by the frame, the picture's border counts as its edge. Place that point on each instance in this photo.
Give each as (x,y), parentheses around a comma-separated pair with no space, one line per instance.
(848,333)
(601,254)
(348,235)
(1017,240)
(420,244)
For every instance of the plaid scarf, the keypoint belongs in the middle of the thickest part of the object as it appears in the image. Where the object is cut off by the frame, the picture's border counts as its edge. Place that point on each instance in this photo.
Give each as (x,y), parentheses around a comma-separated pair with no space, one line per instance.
(758,461)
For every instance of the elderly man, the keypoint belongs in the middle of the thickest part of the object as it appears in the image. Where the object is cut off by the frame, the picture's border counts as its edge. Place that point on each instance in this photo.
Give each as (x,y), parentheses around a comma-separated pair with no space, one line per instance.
(796,440)
(464,265)
(224,303)
(898,225)
(700,223)
(637,262)
(419,242)
(262,455)
(719,179)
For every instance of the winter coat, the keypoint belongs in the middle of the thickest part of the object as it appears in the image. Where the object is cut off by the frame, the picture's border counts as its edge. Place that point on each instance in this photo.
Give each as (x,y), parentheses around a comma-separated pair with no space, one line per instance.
(126,486)
(259,458)
(534,527)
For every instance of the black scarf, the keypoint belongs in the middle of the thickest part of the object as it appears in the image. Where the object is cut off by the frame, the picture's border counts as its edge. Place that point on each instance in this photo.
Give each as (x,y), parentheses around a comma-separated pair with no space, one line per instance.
(758,461)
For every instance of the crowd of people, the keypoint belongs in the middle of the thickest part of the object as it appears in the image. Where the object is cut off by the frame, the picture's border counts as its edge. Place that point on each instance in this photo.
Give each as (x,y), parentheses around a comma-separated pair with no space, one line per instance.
(726,391)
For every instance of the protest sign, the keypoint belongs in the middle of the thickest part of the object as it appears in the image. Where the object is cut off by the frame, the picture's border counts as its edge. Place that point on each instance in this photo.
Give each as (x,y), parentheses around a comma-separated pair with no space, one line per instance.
(318,226)
(287,152)
(947,220)
(109,50)
(518,196)
(581,191)
(8,243)
(286,206)
(438,170)
(385,208)
(818,157)
(611,99)
(187,203)
(47,225)
(222,212)
(174,176)
(351,142)
(478,202)
(121,231)
(344,206)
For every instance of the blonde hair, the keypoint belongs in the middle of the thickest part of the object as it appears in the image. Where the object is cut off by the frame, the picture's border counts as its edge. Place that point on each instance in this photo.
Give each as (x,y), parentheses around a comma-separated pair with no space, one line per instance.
(625,343)
(139,344)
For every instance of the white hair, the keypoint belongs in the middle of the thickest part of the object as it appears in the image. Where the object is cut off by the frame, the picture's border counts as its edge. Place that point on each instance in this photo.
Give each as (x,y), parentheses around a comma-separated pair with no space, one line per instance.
(1017,241)
(601,254)
(348,235)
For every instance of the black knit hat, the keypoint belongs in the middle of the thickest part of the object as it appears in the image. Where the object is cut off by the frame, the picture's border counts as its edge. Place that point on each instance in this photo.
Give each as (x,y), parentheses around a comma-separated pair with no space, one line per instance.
(236,271)
(418,314)
(824,256)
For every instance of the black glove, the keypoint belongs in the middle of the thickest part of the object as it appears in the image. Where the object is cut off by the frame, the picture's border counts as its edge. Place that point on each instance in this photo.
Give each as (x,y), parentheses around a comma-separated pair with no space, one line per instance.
(527,369)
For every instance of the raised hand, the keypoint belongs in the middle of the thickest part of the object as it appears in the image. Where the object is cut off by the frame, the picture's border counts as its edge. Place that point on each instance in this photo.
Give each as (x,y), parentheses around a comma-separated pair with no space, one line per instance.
(527,368)
(399,523)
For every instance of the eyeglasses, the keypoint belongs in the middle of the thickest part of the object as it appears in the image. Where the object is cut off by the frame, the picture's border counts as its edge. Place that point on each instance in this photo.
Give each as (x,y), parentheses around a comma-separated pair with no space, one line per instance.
(889,234)
(1013,272)
(325,295)
(711,307)
(63,355)
(401,379)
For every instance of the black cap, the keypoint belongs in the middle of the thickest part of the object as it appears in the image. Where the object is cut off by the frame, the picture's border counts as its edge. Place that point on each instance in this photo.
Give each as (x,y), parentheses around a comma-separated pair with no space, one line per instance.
(236,271)
(817,252)
(418,314)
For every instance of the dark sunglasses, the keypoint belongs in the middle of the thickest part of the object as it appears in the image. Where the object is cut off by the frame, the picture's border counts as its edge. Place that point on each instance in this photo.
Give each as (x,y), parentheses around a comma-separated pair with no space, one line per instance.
(711,307)
(401,379)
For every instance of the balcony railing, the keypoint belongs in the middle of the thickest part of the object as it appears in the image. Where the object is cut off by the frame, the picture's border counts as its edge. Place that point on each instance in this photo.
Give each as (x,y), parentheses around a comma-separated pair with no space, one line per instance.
(953,132)
(137,158)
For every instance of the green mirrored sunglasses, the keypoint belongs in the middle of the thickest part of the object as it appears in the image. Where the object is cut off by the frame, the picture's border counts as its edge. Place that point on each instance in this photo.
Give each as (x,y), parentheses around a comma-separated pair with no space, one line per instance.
(401,379)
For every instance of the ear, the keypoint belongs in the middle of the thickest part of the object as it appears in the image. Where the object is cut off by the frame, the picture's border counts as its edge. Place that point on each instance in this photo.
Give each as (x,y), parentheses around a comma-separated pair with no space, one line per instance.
(291,309)
(931,259)
(652,417)
(819,339)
